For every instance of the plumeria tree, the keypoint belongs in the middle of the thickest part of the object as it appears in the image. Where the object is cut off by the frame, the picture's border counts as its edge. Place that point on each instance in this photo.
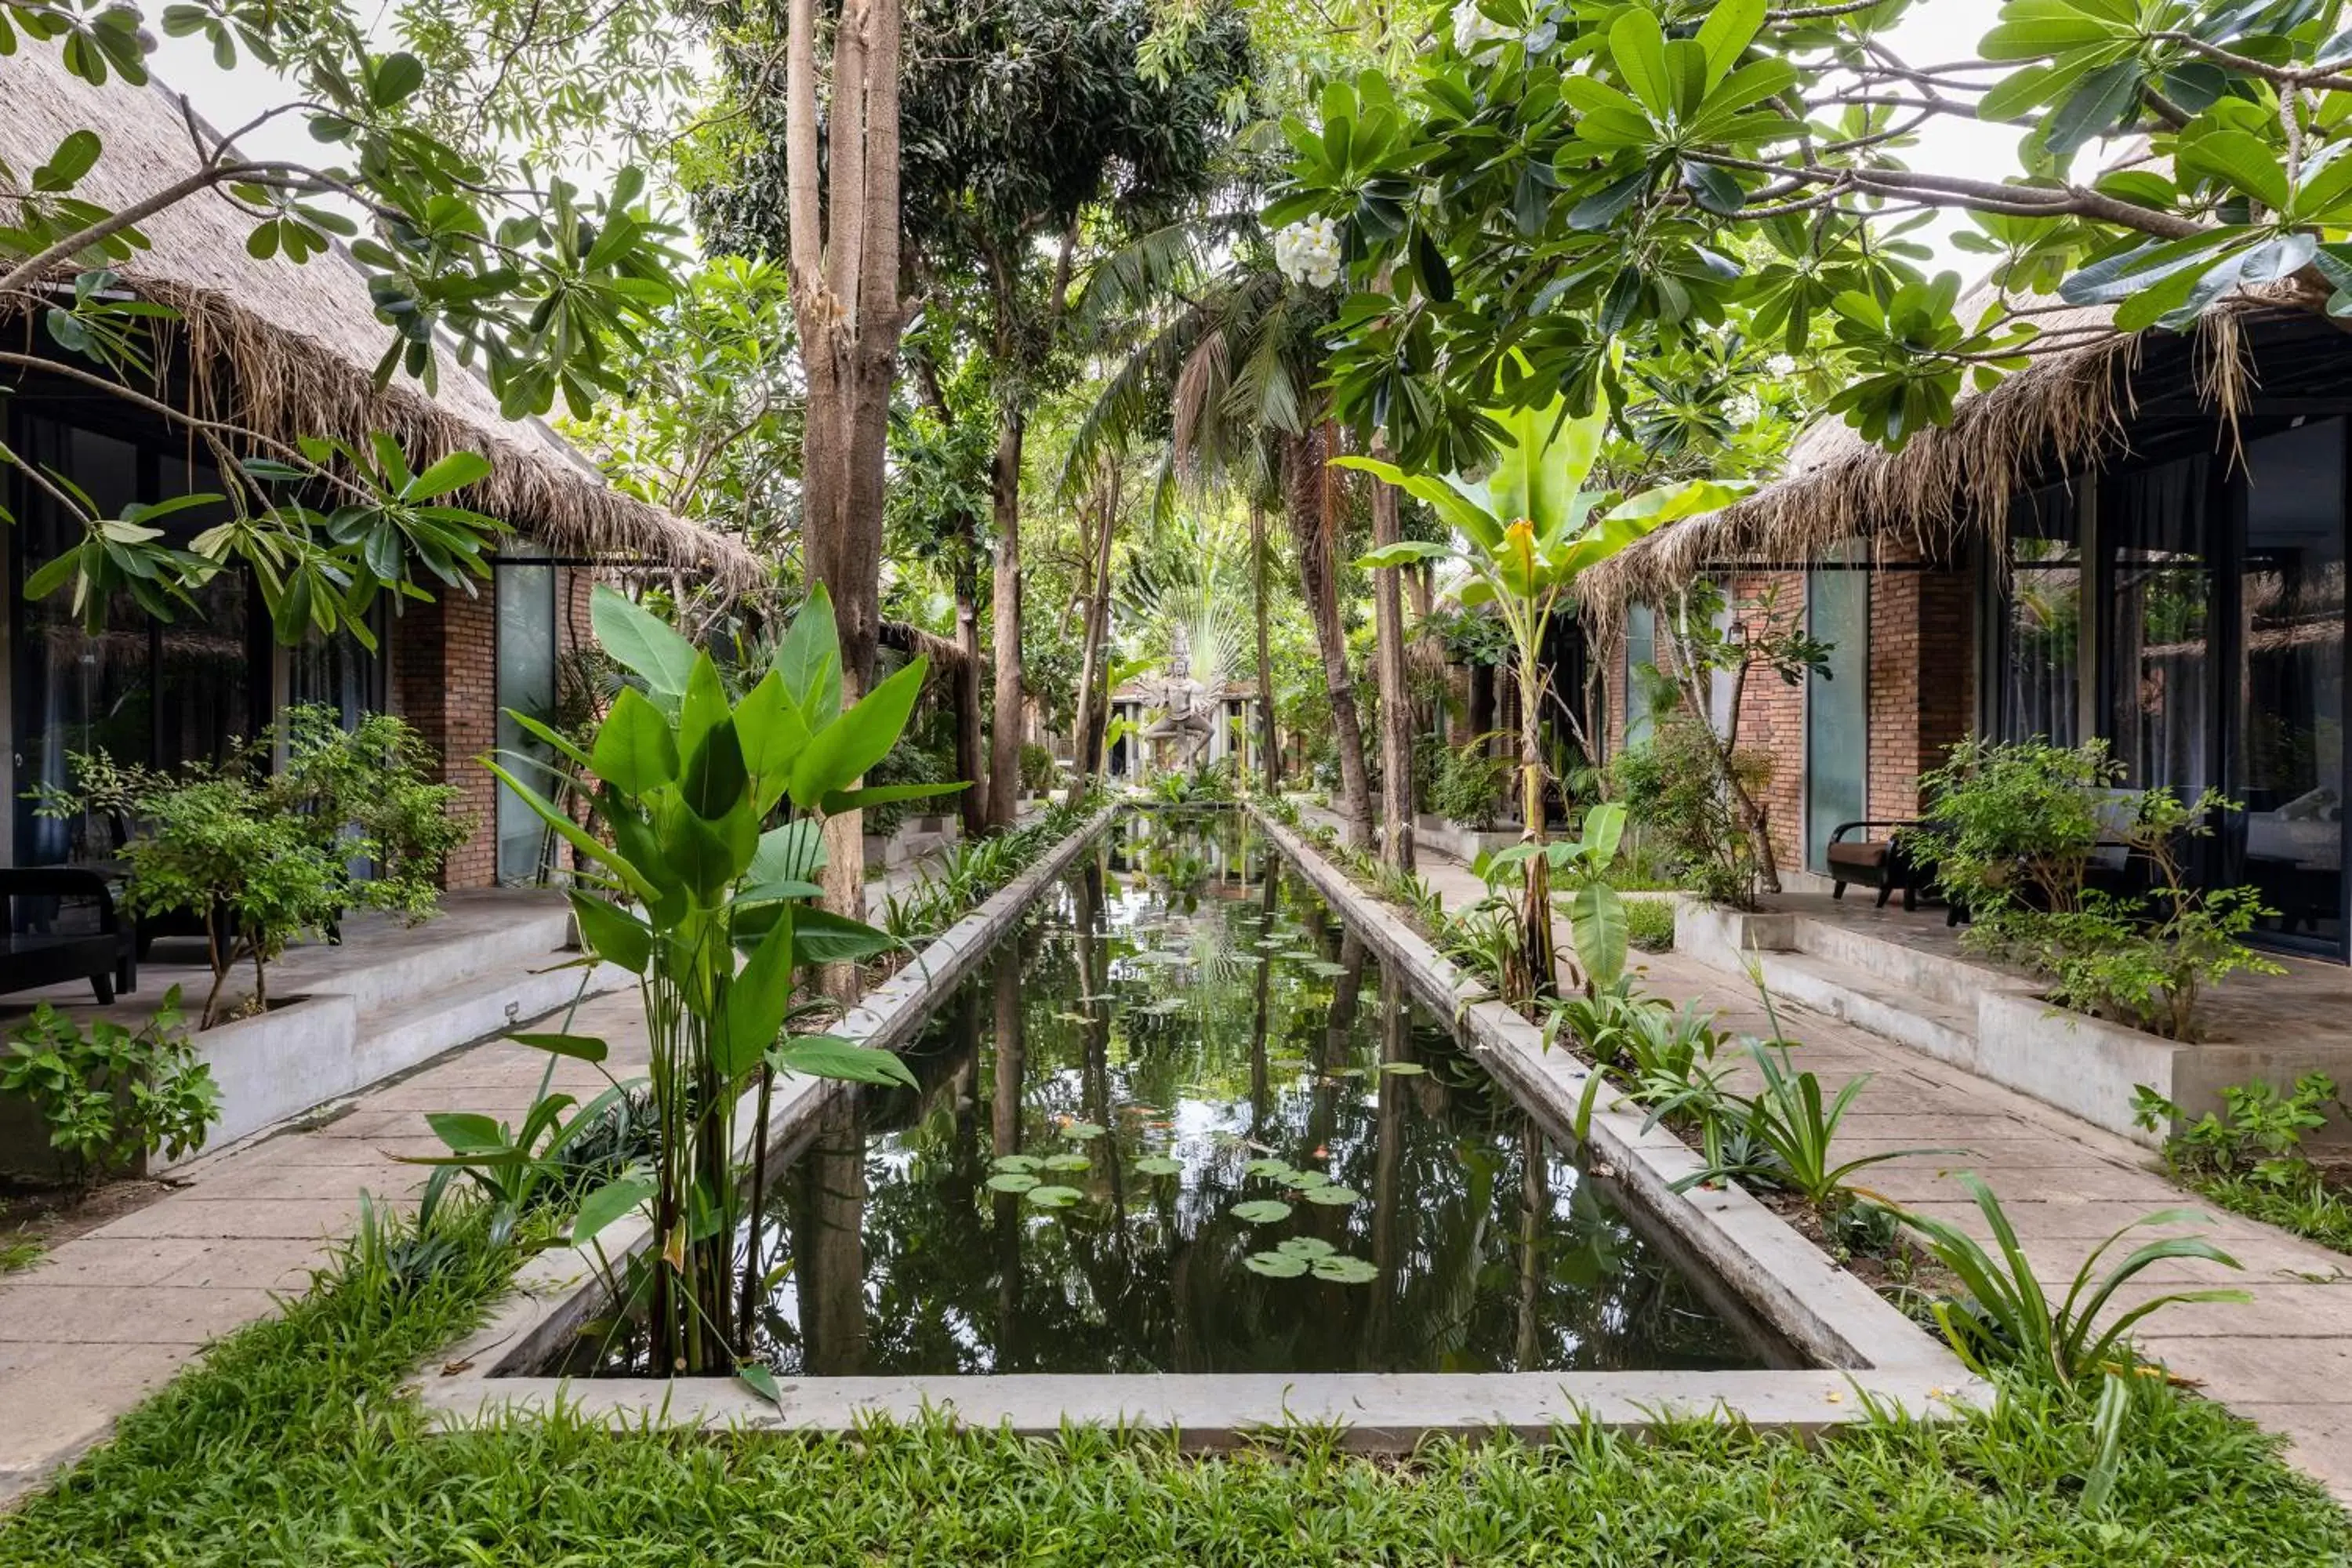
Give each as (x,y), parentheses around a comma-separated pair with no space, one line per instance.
(1558,178)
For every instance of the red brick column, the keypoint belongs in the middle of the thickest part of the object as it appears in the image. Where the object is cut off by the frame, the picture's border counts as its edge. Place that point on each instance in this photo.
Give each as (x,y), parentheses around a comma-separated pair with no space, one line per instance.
(1923,671)
(444,682)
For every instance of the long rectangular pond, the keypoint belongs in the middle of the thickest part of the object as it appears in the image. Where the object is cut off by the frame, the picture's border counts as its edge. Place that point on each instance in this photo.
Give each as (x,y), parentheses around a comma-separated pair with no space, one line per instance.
(1180,1121)
(1187,1153)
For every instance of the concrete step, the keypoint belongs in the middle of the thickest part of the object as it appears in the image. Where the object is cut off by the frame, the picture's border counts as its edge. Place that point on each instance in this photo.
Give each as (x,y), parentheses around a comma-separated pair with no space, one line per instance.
(1942,1030)
(523,937)
(395,1038)
(1894,965)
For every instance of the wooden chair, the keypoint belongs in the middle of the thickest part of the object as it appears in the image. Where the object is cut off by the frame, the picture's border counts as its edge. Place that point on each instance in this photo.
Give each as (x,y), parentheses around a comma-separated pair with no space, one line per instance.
(39,951)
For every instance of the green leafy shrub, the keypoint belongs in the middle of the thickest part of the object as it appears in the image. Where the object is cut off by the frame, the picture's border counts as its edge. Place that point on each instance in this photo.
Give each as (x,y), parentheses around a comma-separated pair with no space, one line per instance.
(1038,772)
(1466,785)
(1650,924)
(1792,1126)
(368,792)
(2250,1157)
(2017,822)
(111,1095)
(217,847)
(1682,815)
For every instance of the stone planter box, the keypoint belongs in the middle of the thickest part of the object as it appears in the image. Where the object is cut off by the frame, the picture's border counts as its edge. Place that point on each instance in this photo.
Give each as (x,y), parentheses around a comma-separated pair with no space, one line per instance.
(1460,843)
(916,837)
(1990,1022)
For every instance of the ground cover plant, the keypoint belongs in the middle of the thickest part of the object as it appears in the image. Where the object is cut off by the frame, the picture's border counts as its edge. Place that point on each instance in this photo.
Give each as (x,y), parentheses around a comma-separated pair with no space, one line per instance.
(291,1446)
(2250,1157)
(110,1096)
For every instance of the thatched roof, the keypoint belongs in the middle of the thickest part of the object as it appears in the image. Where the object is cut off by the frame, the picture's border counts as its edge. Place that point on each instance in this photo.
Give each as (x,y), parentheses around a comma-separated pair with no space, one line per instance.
(295,346)
(1945,488)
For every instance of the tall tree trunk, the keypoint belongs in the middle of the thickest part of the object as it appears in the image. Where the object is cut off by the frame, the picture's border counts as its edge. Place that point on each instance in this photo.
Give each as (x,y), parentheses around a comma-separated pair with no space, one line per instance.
(1004,748)
(1313,527)
(1269,730)
(1388,665)
(1086,730)
(970,748)
(842,200)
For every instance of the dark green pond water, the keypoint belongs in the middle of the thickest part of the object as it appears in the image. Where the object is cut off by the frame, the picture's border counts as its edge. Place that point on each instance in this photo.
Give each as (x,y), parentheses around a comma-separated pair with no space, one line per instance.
(1182,1123)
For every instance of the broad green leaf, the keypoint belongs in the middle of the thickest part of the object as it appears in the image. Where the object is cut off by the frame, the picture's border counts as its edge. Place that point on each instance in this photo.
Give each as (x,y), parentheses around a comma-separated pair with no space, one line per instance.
(1054,1197)
(1730,26)
(572,833)
(715,782)
(762,1382)
(608,1203)
(579,1048)
(1637,44)
(640,642)
(844,800)
(1345,1270)
(824,937)
(1332,1195)
(1261,1211)
(772,732)
(808,661)
(702,707)
(1596,918)
(757,1000)
(838,755)
(793,853)
(1011,1181)
(1159,1165)
(824,1056)
(635,750)
(610,932)
(1275,1265)
(466,1131)
(453,472)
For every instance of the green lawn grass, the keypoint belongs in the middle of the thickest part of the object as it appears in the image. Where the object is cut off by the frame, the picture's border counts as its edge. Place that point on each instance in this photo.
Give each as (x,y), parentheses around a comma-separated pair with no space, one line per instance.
(2305,1207)
(289,1446)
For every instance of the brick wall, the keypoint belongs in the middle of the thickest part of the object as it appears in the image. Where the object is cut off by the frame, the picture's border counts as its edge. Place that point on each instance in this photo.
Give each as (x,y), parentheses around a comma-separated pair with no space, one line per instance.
(1922,680)
(1773,720)
(444,674)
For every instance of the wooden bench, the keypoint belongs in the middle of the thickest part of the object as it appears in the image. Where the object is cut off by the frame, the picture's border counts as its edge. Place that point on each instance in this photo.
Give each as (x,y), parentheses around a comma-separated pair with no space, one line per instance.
(1885,864)
(35,952)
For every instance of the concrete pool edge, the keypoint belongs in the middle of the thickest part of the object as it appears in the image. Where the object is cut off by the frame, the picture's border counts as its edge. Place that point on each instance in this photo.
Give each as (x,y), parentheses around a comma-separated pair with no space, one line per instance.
(557,1290)
(1875,1359)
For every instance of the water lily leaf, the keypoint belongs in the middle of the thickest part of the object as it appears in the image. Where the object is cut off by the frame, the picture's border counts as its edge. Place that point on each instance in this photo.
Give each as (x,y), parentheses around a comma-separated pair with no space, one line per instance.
(1275,1264)
(1402,1069)
(1341,1270)
(1332,1197)
(1011,1181)
(1325,969)
(1069,1162)
(1261,1211)
(1015,1162)
(1303,1180)
(1307,1247)
(1054,1197)
(1159,1165)
(1079,1131)
(1273,1168)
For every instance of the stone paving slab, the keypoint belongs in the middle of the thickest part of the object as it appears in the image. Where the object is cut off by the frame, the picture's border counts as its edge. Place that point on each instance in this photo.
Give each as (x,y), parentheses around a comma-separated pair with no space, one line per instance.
(2283,1360)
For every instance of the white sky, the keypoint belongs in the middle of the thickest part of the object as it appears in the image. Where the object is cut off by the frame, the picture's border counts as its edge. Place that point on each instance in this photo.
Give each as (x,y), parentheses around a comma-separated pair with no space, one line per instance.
(1935,31)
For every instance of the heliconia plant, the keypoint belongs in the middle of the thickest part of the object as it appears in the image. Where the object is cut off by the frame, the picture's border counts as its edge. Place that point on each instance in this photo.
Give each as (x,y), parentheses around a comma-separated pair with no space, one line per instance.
(1522,539)
(701,884)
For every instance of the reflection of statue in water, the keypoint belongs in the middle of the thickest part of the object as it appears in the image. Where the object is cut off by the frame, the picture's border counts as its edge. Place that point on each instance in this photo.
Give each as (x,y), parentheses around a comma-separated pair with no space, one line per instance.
(1188,720)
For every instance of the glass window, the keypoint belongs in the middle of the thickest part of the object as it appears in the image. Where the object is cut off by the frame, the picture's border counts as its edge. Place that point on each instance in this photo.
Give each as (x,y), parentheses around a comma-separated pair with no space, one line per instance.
(205,664)
(2041,633)
(1641,671)
(526,593)
(2159,671)
(2288,766)
(1837,701)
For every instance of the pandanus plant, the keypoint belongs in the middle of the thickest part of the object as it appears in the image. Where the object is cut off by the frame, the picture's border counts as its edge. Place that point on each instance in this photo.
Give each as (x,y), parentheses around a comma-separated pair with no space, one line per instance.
(713,808)
(1521,538)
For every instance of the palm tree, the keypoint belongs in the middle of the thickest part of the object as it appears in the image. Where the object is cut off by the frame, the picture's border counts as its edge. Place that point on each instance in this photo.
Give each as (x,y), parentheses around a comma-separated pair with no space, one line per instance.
(1230,376)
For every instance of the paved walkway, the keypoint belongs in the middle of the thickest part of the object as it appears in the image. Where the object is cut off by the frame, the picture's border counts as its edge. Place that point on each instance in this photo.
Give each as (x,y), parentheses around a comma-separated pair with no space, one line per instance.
(109,1316)
(2283,1360)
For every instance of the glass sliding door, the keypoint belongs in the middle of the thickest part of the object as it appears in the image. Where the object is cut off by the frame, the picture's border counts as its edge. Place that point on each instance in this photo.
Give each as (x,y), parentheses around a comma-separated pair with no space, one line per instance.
(2161,671)
(526,594)
(1837,703)
(2039,635)
(1641,671)
(2286,763)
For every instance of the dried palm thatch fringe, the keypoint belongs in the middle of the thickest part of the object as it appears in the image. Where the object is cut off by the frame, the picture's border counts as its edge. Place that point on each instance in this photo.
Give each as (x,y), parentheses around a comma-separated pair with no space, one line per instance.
(290,350)
(1946,487)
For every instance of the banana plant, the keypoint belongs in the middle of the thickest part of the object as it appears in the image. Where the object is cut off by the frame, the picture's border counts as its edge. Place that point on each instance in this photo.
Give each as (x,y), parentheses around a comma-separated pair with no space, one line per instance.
(701,887)
(1520,540)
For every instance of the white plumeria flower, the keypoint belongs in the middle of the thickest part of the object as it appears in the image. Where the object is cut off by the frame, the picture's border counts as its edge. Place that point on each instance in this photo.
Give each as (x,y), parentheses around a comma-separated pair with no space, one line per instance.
(1473,27)
(1743,409)
(1308,252)
(1781,366)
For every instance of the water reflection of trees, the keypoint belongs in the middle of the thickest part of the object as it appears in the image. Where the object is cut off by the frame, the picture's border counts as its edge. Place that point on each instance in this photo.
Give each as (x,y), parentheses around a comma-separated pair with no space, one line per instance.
(1219,1048)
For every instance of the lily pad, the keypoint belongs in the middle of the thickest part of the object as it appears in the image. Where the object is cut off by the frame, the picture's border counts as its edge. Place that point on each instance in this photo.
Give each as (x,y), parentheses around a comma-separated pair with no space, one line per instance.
(1159,1165)
(1261,1211)
(1012,1181)
(1325,968)
(1015,1162)
(1402,1069)
(1331,1195)
(1303,1180)
(1054,1197)
(1274,1170)
(1275,1264)
(1069,1162)
(1307,1247)
(1079,1131)
(1341,1270)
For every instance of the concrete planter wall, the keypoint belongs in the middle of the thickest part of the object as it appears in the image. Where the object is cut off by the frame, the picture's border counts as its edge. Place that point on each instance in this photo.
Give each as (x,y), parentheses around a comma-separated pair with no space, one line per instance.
(1989,1021)
(917,837)
(1460,843)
